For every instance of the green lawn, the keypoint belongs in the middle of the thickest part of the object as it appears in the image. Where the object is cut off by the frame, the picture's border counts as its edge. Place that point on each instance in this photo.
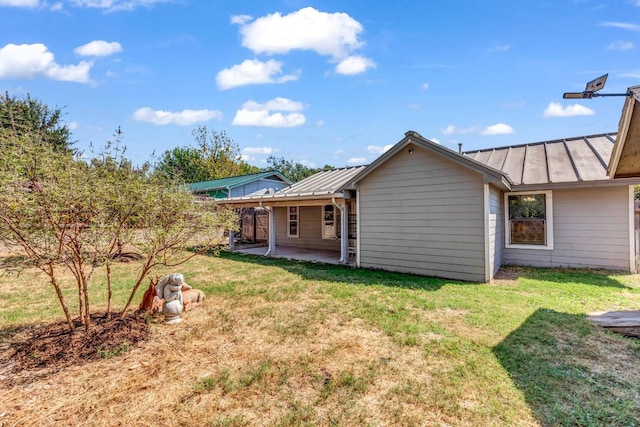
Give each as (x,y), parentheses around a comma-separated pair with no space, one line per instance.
(287,343)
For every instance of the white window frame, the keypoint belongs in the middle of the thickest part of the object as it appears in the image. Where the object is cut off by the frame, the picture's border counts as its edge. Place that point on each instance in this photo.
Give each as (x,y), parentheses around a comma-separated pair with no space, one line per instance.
(290,221)
(548,221)
(324,222)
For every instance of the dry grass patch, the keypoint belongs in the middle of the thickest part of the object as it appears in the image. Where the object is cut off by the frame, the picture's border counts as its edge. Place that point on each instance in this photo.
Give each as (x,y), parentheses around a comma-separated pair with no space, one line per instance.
(279,343)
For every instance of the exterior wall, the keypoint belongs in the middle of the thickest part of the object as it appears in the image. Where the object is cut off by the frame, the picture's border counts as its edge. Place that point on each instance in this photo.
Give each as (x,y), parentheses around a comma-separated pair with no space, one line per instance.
(590,230)
(496,229)
(260,184)
(423,214)
(309,230)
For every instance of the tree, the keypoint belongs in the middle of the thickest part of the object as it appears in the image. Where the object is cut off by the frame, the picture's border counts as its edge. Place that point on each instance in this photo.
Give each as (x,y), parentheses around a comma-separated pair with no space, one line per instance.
(184,163)
(64,213)
(295,171)
(33,117)
(215,156)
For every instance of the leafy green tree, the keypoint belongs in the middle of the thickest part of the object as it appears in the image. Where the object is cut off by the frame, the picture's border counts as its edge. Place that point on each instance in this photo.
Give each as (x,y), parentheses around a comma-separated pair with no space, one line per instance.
(64,213)
(215,156)
(33,117)
(184,163)
(295,171)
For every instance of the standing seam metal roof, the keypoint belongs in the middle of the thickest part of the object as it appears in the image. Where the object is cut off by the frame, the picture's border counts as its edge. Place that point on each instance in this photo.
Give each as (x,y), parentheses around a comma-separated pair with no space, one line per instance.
(325,182)
(559,161)
(234,181)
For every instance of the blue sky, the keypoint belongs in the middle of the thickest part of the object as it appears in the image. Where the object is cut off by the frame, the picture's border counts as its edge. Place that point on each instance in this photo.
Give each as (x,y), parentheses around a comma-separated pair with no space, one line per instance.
(321,82)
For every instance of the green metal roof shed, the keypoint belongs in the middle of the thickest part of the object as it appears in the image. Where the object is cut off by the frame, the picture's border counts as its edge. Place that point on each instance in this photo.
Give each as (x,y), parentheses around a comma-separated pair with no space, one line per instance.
(243,185)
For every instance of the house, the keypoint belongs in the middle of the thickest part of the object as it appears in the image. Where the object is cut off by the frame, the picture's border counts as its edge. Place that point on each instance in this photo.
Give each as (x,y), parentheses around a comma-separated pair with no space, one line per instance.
(253,223)
(243,185)
(422,208)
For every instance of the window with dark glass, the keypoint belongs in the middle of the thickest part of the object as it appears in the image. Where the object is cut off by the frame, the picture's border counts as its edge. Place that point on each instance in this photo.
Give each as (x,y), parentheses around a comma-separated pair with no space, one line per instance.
(527,219)
(293,221)
(328,222)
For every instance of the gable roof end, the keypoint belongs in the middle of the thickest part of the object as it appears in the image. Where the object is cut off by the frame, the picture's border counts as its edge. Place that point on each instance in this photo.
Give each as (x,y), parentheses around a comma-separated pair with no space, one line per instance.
(492,175)
(625,159)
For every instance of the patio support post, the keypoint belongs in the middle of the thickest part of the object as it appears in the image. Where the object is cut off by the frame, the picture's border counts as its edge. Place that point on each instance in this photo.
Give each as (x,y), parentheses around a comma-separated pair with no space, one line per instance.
(272,231)
(344,231)
(232,240)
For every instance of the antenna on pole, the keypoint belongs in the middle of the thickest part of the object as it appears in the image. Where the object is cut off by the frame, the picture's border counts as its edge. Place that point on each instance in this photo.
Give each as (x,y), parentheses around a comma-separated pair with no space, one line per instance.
(590,91)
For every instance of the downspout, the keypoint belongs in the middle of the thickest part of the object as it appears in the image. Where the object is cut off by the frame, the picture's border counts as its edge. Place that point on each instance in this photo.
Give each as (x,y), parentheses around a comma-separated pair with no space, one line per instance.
(272,230)
(344,230)
(358,234)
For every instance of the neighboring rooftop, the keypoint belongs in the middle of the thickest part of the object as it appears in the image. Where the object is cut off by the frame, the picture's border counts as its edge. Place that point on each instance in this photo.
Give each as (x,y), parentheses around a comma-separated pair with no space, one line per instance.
(235,181)
(559,161)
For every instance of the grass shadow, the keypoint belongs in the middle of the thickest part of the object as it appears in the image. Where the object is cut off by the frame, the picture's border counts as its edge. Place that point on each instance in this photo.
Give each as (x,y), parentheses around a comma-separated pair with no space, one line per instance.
(571,372)
(592,277)
(344,273)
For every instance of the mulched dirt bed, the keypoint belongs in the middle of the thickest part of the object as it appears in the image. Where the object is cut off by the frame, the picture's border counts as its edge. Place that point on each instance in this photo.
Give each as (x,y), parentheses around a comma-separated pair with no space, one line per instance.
(54,346)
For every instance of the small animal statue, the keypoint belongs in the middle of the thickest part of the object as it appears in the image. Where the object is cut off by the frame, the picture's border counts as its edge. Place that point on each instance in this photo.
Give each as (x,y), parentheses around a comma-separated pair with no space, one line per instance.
(154,303)
(150,299)
(169,288)
(191,297)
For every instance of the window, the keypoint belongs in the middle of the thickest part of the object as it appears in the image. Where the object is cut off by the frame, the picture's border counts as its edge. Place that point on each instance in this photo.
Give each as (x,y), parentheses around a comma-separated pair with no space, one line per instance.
(329,222)
(293,221)
(529,220)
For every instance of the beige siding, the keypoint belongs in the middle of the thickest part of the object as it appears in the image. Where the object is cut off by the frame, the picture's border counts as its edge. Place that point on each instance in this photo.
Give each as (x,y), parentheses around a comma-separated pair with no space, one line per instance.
(590,230)
(496,229)
(421,213)
(310,229)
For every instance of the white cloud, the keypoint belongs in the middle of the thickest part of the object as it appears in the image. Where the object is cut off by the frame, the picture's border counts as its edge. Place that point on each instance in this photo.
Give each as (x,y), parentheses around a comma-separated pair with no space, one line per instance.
(355,64)
(320,123)
(73,125)
(425,86)
(258,150)
(328,34)
(255,114)
(33,60)
(252,72)
(451,129)
(98,48)
(556,110)
(182,118)
(500,48)
(498,129)
(20,3)
(117,5)
(338,152)
(620,45)
(436,140)
(375,149)
(631,74)
(357,161)
(622,25)
(241,19)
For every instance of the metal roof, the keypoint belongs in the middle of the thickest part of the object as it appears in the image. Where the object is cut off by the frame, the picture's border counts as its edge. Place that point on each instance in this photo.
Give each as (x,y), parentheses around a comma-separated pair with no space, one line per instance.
(235,181)
(324,182)
(568,160)
(321,185)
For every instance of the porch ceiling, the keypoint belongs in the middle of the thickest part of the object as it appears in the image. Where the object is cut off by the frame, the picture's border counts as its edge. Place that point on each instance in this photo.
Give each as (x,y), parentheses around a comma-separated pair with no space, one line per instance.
(284,201)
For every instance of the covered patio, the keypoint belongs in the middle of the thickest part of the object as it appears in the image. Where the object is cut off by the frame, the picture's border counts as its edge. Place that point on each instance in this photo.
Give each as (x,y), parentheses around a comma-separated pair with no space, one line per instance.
(312,220)
(298,254)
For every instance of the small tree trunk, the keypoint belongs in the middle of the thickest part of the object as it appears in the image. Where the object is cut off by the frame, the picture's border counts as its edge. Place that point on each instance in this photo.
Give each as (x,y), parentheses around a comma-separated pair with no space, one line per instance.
(56,286)
(109,289)
(143,273)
